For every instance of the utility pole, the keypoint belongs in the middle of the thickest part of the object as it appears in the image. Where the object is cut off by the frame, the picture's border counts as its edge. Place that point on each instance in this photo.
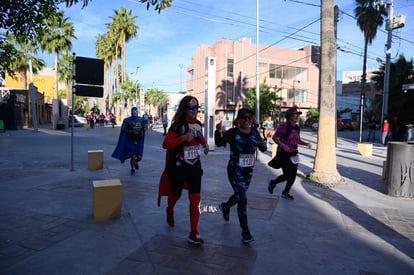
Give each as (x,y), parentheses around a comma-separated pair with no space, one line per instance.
(385,92)
(257,64)
(392,23)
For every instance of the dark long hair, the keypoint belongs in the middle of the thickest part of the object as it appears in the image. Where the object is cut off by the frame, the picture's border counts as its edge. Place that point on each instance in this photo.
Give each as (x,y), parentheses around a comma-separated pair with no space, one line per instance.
(179,118)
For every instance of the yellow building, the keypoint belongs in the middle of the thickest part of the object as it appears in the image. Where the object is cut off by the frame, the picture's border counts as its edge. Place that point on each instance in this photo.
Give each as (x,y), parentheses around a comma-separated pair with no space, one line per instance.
(44,84)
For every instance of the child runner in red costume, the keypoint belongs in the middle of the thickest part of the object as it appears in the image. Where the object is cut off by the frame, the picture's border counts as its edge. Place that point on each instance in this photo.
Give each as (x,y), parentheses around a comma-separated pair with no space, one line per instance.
(183,166)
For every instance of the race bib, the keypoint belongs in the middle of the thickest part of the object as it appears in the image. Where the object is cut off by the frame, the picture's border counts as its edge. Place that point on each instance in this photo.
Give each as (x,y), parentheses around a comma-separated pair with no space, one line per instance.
(191,152)
(295,159)
(246,160)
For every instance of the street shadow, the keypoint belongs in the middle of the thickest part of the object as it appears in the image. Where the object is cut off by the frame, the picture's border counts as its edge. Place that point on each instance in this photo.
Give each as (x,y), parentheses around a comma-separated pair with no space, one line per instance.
(356,218)
(354,174)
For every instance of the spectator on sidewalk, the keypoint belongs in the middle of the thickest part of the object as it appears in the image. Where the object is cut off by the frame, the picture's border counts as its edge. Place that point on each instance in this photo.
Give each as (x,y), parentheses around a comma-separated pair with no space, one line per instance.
(183,165)
(287,137)
(243,140)
(165,123)
(268,129)
(385,130)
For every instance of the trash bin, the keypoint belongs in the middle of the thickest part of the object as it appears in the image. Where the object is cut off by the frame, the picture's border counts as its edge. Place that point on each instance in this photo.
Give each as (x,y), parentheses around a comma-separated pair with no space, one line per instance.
(399,174)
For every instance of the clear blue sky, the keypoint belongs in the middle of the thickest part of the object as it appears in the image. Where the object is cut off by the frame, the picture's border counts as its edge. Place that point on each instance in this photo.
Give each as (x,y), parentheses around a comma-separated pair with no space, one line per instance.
(170,38)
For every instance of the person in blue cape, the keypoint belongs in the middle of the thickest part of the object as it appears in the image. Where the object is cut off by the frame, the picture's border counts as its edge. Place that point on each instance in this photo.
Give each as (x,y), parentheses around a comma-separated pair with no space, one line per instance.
(131,140)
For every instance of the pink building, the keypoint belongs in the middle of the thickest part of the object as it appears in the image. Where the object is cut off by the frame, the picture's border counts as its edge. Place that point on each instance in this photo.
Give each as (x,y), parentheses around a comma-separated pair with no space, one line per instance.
(294,72)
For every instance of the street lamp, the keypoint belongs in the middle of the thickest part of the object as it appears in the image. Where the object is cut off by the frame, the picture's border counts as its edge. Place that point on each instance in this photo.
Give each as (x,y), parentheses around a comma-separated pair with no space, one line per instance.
(136,87)
(294,91)
(181,77)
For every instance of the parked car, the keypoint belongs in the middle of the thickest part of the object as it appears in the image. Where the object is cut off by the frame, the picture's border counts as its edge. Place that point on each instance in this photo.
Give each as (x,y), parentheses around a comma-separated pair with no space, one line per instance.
(315,126)
(345,124)
(79,121)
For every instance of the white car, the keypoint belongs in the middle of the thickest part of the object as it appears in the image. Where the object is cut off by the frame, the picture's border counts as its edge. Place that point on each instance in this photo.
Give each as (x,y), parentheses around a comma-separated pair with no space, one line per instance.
(79,121)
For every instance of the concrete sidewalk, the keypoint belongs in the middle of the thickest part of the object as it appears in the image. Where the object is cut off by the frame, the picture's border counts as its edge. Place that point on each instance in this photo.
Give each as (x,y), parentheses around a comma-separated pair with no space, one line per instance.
(46,223)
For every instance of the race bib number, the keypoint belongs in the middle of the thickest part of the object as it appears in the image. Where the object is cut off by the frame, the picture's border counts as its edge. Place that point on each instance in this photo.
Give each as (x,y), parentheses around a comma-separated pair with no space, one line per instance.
(246,160)
(191,152)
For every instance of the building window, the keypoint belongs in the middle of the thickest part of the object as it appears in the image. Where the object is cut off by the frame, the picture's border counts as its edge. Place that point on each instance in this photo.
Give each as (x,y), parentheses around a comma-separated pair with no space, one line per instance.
(272,70)
(191,73)
(230,67)
(230,93)
(279,72)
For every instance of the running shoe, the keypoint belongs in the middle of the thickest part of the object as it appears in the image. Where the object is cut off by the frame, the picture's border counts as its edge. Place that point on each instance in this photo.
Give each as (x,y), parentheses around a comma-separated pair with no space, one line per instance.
(195,238)
(225,210)
(246,236)
(287,196)
(132,172)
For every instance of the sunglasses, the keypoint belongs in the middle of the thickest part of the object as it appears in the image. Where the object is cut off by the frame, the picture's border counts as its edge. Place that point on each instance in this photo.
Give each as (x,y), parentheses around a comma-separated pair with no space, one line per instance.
(246,117)
(193,107)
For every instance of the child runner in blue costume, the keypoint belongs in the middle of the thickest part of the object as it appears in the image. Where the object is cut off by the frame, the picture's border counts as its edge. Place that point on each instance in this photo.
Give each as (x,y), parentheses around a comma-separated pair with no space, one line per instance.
(243,140)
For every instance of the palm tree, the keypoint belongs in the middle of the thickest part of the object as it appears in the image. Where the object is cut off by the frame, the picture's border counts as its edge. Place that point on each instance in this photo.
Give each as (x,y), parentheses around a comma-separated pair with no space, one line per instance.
(65,73)
(154,98)
(123,28)
(24,50)
(103,48)
(369,18)
(324,169)
(59,32)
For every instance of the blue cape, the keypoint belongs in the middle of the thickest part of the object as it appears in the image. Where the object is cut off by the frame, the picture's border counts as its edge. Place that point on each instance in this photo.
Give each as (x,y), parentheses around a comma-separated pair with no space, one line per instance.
(125,148)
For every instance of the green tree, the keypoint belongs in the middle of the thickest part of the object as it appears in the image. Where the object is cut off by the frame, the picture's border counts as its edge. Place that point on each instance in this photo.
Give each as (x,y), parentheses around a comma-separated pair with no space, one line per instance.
(312,115)
(155,97)
(369,18)
(268,100)
(24,19)
(324,168)
(57,38)
(158,5)
(400,102)
(123,28)
(103,47)
(65,74)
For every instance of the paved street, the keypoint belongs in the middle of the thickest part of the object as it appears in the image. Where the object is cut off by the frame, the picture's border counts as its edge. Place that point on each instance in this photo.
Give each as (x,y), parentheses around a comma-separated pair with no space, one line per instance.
(46,223)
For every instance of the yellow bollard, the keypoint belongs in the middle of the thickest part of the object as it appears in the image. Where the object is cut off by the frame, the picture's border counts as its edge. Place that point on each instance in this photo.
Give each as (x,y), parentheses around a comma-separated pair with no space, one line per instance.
(95,159)
(107,199)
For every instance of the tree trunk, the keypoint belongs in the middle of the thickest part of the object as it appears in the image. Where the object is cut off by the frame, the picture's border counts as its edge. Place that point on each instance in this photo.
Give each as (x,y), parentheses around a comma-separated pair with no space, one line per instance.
(324,169)
(23,76)
(56,76)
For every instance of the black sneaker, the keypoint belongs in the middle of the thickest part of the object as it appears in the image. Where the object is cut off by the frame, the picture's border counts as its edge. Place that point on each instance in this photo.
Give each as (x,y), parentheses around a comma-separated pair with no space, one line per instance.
(195,238)
(287,196)
(271,186)
(225,210)
(246,236)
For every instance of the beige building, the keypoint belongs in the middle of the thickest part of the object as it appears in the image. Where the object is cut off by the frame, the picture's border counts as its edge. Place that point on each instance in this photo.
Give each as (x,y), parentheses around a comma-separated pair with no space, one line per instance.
(294,71)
